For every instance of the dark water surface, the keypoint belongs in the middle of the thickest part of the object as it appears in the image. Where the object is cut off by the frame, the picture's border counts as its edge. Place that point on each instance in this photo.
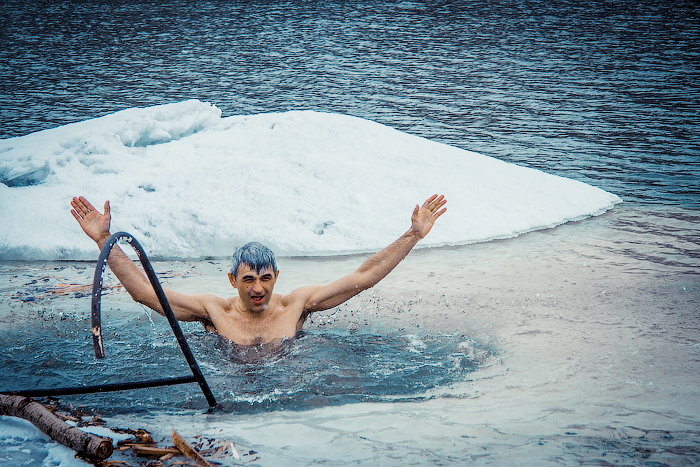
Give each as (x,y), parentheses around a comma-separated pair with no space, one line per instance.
(320,368)
(603,92)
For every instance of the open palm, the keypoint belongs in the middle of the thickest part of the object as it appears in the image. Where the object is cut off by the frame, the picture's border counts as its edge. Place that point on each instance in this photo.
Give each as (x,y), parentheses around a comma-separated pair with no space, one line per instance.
(93,223)
(425,216)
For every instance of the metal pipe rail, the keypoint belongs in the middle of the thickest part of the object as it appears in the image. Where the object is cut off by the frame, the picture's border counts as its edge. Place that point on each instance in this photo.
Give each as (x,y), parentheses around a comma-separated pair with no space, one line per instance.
(98,344)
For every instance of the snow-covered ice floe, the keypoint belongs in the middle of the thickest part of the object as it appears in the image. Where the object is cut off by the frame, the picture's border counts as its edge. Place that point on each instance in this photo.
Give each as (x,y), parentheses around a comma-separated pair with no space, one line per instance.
(189,183)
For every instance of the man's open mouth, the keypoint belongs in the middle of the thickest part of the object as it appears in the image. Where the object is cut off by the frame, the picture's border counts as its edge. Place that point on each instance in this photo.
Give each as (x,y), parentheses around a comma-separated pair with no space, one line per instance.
(257,300)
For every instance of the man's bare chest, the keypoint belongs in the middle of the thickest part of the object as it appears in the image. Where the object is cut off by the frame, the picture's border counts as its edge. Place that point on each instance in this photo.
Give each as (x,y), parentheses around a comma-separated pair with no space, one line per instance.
(249,329)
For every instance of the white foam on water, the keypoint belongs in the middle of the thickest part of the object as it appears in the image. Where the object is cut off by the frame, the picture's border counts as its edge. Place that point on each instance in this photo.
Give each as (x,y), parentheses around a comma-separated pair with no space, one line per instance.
(189,183)
(415,344)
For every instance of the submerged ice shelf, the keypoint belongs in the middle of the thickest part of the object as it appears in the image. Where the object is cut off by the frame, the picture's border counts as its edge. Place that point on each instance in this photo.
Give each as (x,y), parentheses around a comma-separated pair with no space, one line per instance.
(189,183)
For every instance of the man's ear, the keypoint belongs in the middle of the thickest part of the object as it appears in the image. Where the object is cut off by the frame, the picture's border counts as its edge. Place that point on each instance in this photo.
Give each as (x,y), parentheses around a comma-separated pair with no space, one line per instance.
(232,279)
(277,273)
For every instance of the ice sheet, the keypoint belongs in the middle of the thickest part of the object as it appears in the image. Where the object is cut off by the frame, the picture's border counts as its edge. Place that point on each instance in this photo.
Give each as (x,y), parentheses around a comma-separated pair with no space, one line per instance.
(189,183)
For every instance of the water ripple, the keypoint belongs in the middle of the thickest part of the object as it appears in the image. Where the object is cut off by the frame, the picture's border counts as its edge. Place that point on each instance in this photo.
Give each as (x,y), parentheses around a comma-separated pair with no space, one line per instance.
(602,92)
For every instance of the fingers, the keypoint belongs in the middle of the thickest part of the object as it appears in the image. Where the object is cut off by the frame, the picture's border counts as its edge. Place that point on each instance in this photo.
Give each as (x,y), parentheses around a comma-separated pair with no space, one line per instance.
(78,210)
(434,203)
(77,217)
(82,207)
(429,200)
(87,204)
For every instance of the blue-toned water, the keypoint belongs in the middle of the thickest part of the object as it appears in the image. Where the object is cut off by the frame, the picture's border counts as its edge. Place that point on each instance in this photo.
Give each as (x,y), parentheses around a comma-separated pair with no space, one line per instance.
(603,92)
(578,344)
(322,367)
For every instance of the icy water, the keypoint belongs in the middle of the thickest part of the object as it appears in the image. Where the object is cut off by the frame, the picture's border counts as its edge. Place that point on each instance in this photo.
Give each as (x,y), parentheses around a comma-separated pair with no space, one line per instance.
(573,345)
(577,344)
(324,366)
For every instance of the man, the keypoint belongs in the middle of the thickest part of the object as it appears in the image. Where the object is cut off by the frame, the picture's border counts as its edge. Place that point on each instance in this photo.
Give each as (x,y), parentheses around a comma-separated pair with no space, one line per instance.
(256,315)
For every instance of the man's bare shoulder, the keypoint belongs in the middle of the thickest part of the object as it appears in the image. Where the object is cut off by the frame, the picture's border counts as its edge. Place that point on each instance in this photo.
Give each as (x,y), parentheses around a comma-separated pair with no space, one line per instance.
(298,296)
(213,302)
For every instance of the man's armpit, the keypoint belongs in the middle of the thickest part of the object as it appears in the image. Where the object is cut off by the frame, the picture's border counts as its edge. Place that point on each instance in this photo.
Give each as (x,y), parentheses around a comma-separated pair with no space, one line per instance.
(208,325)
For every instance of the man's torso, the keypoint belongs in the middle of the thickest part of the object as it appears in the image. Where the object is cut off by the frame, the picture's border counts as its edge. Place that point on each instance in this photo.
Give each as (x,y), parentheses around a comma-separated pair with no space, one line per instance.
(282,319)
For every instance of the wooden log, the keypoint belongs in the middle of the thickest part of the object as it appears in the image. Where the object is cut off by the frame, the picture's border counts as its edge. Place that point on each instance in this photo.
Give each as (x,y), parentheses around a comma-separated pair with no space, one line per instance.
(85,444)
(153,450)
(188,450)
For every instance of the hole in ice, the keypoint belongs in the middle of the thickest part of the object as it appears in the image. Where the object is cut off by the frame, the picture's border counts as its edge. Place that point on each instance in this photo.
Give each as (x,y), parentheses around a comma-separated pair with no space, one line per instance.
(319,368)
(333,367)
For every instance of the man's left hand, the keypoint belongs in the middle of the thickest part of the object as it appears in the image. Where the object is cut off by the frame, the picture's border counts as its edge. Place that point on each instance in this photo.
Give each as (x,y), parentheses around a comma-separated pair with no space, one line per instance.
(425,216)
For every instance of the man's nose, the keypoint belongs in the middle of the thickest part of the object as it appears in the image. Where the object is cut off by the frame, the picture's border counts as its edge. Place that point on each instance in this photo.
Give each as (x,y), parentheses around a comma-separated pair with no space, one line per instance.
(257,287)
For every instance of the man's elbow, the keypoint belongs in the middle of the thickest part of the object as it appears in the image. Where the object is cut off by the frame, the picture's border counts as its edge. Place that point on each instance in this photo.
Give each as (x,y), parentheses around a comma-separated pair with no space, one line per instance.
(147,299)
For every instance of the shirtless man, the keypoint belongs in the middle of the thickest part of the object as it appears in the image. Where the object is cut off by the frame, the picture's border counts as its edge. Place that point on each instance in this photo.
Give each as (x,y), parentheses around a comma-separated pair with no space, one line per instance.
(256,315)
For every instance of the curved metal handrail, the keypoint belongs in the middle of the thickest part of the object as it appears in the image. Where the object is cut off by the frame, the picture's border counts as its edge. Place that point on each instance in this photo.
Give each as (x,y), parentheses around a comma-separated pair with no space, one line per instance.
(98,343)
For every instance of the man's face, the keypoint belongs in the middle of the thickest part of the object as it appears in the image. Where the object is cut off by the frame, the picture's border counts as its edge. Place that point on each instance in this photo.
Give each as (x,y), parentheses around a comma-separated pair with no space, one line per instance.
(254,289)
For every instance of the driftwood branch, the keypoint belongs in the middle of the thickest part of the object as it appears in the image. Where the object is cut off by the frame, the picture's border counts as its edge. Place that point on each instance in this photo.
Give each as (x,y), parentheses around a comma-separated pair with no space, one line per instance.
(188,450)
(85,444)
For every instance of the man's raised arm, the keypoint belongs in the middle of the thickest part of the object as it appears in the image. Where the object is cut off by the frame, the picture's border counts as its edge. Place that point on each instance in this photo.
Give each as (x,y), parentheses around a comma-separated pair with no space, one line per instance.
(96,226)
(377,266)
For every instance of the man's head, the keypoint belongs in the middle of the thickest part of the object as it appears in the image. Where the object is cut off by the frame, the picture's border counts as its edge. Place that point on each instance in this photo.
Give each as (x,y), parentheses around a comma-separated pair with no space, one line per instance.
(253,273)
(255,255)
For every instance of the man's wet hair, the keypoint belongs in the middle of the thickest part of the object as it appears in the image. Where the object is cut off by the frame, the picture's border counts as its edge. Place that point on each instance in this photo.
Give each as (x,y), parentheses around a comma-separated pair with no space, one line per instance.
(255,255)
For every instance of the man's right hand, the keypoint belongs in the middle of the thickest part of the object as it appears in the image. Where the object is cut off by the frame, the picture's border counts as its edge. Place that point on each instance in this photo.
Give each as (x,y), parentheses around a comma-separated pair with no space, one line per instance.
(94,224)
